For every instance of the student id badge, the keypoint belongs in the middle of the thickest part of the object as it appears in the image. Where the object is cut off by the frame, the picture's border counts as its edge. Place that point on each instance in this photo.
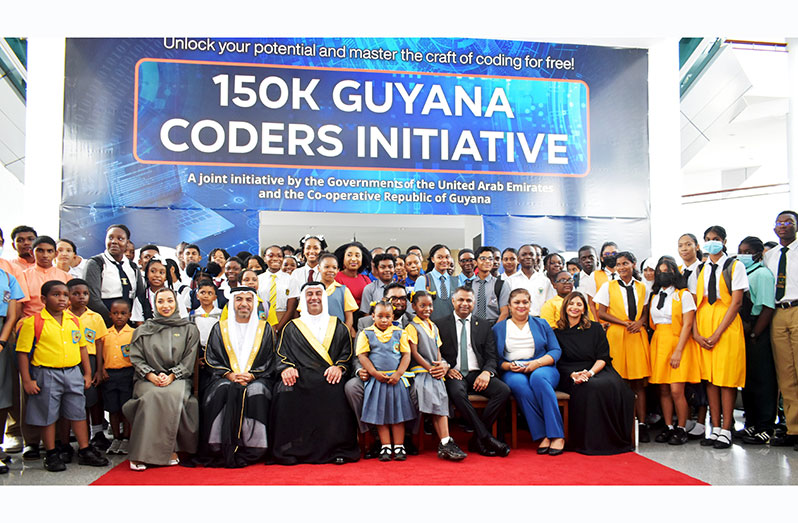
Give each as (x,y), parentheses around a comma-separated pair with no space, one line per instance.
(6,296)
(90,335)
(125,350)
(75,336)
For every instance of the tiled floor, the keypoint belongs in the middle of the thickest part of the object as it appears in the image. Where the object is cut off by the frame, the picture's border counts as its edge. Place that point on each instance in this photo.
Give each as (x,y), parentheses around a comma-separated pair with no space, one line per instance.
(739,465)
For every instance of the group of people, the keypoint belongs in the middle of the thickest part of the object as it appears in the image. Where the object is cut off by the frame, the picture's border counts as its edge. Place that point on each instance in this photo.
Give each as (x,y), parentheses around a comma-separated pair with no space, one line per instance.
(284,357)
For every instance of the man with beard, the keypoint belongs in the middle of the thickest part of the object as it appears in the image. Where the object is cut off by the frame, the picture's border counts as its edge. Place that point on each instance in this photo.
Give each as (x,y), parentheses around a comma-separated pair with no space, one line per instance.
(235,407)
(311,420)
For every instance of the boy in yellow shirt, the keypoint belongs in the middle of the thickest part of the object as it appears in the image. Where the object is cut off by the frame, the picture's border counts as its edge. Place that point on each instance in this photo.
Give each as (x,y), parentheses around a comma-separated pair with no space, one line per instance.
(51,351)
(117,385)
(94,331)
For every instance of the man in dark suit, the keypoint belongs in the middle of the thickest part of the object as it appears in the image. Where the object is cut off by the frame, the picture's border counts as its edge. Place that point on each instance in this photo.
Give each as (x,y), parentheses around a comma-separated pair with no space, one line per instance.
(473,362)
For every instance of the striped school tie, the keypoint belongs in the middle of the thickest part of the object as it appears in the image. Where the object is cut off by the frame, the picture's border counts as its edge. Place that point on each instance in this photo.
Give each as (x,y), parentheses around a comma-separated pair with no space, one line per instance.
(273,301)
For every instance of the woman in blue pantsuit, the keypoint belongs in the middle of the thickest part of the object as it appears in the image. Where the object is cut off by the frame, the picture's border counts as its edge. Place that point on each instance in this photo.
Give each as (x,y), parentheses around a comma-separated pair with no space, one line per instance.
(529,351)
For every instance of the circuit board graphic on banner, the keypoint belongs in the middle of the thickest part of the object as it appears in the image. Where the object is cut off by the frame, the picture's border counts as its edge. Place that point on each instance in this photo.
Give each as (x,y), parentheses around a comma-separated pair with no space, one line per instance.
(366,125)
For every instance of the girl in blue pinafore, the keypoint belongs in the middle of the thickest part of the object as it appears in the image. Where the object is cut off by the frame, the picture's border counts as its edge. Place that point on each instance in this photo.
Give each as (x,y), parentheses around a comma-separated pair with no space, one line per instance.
(384,352)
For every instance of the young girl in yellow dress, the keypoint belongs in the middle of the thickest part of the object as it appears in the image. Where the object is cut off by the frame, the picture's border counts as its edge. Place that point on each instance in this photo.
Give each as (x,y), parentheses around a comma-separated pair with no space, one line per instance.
(674,353)
(718,330)
(624,304)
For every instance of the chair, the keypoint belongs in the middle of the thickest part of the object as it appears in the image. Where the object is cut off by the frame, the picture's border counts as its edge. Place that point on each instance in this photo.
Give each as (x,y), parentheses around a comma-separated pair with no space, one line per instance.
(562,402)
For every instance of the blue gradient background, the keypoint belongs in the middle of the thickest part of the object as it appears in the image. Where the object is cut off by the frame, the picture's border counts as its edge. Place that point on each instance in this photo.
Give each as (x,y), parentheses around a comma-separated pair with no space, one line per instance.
(98,145)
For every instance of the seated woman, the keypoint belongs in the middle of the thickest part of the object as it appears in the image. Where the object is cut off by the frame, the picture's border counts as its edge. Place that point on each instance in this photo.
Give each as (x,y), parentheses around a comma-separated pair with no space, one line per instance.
(528,351)
(601,408)
(163,413)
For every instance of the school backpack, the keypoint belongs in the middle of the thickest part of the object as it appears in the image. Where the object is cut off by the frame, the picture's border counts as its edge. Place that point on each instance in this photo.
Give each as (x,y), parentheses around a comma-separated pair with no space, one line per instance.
(726,272)
(38,326)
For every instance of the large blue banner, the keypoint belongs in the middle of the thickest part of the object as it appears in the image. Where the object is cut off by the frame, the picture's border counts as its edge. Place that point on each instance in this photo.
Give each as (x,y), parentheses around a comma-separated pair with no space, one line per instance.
(201,134)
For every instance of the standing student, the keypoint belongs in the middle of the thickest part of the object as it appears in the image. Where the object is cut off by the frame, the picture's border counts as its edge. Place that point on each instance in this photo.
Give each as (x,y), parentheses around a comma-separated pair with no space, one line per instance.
(220,256)
(718,329)
(782,261)
(110,275)
(384,352)
(438,280)
(117,384)
(353,261)
(425,343)
(340,301)
(509,259)
(675,357)
(468,263)
(277,289)
(543,289)
(144,304)
(527,277)
(67,258)
(401,272)
(760,394)
(384,270)
(94,331)
(41,272)
(11,292)
(608,256)
(491,295)
(22,238)
(551,310)
(413,267)
(623,303)
(311,246)
(290,264)
(690,254)
(51,374)
(205,316)
(232,273)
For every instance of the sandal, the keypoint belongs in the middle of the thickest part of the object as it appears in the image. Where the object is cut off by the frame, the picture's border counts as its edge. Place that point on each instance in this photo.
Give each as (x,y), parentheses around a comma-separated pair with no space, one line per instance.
(137,466)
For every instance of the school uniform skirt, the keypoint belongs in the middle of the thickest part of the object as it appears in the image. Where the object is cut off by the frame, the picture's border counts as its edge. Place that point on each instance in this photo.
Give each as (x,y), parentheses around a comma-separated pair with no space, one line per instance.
(662,346)
(724,364)
(629,352)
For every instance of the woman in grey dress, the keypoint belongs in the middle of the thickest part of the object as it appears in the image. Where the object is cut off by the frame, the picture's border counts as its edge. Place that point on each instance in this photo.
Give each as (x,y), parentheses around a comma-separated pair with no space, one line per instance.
(163,413)
(425,342)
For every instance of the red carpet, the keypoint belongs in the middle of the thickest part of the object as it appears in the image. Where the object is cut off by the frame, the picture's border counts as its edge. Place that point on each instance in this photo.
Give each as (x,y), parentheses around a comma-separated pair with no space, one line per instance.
(522,467)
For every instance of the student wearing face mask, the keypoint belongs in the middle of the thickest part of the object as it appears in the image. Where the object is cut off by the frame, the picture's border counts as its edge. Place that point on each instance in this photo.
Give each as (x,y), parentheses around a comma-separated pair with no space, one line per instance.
(674,353)
(719,288)
(591,285)
(760,394)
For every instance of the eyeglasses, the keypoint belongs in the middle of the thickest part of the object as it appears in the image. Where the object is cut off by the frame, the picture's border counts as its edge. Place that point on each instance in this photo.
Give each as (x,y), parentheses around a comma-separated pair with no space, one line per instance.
(784,224)
(398,298)
(564,280)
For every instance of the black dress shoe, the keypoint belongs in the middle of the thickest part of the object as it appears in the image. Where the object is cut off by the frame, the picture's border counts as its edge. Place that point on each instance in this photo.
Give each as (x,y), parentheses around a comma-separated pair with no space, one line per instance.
(723,442)
(31,452)
(642,433)
(478,446)
(664,435)
(451,451)
(760,437)
(100,442)
(53,463)
(679,437)
(66,452)
(89,456)
(399,454)
(385,454)
(779,440)
(707,442)
(500,448)
(555,452)
(542,450)
(410,447)
(373,451)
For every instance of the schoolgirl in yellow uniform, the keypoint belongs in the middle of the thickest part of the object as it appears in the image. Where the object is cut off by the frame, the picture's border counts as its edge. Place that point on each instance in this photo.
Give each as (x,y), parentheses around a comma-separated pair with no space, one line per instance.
(624,304)
(718,330)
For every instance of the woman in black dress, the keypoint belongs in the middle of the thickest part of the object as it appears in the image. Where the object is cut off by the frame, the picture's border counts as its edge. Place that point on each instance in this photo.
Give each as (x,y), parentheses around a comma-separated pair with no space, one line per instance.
(601,409)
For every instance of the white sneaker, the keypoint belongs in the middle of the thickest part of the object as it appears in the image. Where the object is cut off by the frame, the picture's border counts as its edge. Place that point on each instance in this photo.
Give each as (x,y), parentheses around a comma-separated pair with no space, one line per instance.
(114,448)
(123,447)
